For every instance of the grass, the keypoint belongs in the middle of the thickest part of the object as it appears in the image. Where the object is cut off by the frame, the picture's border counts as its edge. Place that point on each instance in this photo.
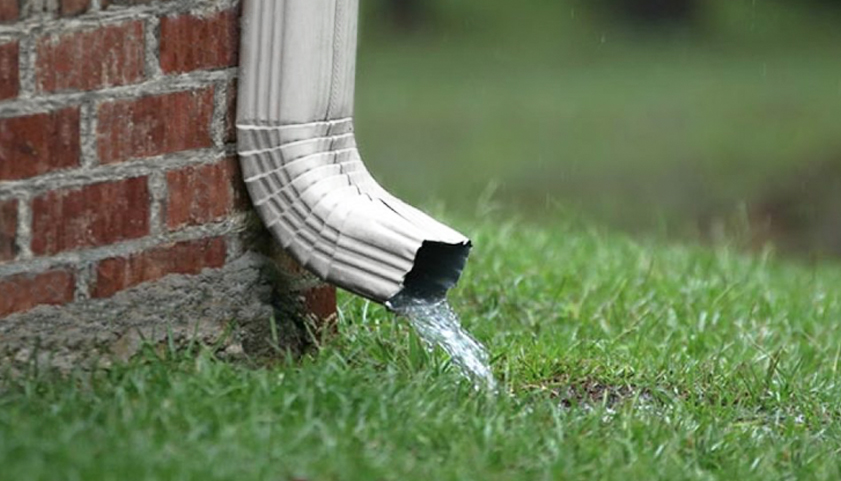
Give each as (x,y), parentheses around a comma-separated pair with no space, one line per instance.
(557,104)
(619,359)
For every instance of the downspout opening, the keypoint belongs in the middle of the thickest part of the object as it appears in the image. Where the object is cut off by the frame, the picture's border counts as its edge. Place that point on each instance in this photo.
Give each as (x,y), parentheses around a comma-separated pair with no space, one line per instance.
(437,268)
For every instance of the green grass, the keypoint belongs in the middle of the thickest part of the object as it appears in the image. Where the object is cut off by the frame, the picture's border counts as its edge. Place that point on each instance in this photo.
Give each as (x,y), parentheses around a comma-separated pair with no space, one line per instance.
(618,359)
(557,104)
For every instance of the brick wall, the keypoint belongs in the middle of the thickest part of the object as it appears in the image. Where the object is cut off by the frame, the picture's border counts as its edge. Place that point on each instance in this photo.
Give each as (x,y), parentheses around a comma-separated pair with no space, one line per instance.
(117,149)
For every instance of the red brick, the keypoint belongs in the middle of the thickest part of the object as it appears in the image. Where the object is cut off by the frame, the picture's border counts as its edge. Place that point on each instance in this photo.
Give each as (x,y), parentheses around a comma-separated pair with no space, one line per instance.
(9,71)
(154,125)
(231,112)
(8,229)
(94,215)
(118,273)
(196,43)
(35,144)
(25,291)
(90,59)
(108,3)
(320,301)
(203,193)
(70,8)
(9,11)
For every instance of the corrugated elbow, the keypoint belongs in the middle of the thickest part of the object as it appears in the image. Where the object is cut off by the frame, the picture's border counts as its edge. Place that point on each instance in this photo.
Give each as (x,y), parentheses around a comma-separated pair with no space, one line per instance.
(303,170)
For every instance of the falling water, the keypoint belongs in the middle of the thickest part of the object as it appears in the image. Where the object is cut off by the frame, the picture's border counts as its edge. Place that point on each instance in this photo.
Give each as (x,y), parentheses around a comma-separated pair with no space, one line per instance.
(437,324)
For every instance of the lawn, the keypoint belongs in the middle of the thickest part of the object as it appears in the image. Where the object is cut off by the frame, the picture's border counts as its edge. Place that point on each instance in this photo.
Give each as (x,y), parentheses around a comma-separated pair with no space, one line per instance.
(618,359)
(638,128)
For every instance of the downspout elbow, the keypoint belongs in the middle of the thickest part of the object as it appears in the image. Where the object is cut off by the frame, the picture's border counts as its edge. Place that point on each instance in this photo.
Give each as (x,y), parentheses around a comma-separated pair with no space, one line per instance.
(303,170)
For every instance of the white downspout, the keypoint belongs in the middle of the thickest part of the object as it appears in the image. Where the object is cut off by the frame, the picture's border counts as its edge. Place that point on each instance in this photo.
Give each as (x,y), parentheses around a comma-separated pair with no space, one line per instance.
(302,168)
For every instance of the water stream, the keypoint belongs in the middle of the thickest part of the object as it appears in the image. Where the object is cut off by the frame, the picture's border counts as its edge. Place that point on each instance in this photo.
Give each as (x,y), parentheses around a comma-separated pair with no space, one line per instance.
(438,324)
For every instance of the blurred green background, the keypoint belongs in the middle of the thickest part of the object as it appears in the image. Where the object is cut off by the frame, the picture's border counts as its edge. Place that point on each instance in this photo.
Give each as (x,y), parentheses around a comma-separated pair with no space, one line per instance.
(693,118)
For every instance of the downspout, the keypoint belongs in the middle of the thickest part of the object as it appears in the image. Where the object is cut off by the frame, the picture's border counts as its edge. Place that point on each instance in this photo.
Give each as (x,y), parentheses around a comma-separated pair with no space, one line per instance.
(302,168)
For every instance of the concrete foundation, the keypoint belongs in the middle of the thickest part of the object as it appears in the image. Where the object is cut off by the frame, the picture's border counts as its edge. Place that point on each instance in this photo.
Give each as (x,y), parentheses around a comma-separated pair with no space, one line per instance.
(231,309)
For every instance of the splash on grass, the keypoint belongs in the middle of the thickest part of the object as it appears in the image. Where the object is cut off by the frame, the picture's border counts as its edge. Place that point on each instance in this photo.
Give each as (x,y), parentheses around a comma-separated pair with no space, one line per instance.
(438,325)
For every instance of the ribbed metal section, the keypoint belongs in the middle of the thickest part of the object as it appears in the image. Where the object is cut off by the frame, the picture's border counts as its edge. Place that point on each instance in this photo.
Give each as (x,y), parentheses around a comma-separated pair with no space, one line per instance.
(303,170)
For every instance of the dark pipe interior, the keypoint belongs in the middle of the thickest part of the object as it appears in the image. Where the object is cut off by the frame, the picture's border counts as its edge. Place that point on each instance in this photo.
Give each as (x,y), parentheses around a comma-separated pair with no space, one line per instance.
(437,268)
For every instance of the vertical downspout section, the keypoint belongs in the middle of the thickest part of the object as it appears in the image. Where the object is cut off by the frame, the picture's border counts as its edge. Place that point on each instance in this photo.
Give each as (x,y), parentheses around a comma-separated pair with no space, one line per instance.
(302,168)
